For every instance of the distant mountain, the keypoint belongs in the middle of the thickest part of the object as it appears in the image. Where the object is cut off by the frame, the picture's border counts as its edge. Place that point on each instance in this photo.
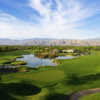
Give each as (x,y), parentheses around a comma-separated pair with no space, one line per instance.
(98,39)
(10,42)
(51,42)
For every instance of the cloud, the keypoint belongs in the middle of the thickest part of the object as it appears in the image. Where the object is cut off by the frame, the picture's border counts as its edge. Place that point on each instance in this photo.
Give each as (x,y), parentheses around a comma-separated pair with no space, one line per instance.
(67,20)
(11,27)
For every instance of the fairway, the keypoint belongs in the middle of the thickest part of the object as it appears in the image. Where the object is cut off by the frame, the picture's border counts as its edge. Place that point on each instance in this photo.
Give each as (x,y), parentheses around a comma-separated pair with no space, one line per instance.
(49,75)
(85,65)
(45,76)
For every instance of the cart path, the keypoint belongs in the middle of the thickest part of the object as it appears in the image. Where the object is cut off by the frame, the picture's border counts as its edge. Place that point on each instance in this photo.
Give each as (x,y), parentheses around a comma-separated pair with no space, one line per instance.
(78,95)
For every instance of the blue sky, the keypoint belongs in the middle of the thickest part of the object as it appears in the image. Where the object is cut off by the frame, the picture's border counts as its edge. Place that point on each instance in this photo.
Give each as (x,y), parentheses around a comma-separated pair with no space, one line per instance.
(62,19)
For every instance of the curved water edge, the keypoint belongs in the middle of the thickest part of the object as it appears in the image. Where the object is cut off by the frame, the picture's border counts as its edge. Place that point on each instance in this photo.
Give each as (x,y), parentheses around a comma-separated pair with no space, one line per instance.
(34,62)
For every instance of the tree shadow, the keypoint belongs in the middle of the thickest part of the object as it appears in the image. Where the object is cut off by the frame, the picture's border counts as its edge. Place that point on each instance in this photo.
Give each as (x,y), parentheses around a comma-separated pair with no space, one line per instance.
(75,80)
(57,97)
(23,89)
(5,96)
(17,89)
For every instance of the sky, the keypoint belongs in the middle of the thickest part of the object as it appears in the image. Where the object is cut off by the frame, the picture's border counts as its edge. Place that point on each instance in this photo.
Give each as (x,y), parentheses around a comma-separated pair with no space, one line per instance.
(61,19)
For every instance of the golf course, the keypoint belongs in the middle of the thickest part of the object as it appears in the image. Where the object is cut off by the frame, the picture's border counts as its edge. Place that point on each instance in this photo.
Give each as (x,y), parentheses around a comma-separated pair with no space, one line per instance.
(58,82)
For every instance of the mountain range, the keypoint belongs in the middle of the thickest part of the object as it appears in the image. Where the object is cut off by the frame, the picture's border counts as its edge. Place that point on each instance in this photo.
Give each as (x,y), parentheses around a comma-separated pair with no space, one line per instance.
(51,42)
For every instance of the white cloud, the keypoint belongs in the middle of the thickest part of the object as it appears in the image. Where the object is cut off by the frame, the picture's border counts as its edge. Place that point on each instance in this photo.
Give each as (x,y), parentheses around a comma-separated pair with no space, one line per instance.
(64,22)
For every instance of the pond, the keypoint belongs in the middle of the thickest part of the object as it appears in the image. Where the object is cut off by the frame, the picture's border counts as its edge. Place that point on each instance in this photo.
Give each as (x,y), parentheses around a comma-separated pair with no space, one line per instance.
(65,57)
(34,62)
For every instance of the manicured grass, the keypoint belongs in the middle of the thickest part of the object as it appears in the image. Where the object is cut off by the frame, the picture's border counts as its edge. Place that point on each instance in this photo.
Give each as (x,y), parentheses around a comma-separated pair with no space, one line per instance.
(95,96)
(57,82)
(85,65)
(43,76)
(42,80)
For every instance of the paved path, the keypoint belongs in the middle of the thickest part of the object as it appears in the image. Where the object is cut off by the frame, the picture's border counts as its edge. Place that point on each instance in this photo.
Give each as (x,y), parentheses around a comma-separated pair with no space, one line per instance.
(78,95)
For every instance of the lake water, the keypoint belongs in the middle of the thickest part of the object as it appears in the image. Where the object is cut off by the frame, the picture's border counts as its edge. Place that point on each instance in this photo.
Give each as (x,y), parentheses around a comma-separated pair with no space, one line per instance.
(65,57)
(35,62)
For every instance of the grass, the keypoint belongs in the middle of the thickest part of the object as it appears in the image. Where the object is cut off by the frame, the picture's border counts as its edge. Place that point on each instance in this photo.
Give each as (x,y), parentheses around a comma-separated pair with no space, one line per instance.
(95,96)
(17,91)
(81,66)
(41,80)
(18,63)
(44,76)
(54,83)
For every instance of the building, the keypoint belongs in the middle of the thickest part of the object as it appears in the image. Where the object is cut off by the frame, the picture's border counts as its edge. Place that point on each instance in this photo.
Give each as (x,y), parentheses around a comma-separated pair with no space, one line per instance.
(68,51)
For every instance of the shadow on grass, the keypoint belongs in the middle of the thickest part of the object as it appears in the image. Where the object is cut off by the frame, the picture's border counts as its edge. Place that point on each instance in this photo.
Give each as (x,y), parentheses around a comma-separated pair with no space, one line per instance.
(57,97)
(8,70)
(23,89)
(5,96)
(17,89)
(75,80)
